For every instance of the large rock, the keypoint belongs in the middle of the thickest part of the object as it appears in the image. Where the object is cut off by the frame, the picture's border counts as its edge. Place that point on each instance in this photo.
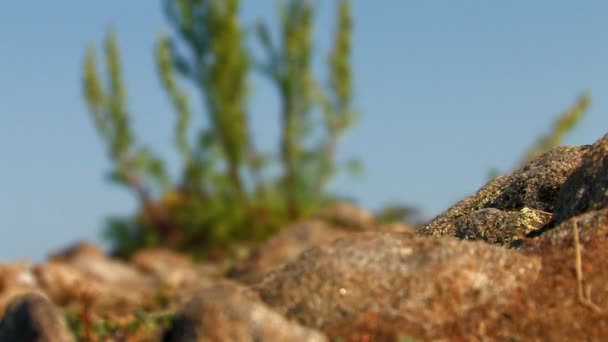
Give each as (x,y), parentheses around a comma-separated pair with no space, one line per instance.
(587,187)
(531,190)
(284,247)
(592,225)
(401,278)
(32,318)
(233,313)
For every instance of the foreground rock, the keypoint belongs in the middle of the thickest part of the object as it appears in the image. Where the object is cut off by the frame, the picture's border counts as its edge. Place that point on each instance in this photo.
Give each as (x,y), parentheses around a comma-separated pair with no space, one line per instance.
(531,193)
(290,242)
(232,313)
(587,187)
(415,282)
(32,318)
(15,279)
(551,309)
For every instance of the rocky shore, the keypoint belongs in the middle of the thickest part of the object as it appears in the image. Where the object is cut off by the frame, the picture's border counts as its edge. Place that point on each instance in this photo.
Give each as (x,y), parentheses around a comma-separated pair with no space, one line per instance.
(524,258)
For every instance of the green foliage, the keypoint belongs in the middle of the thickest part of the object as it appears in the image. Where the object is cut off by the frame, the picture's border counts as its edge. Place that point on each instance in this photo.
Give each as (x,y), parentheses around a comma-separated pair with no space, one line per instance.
(223,194)
(142,326)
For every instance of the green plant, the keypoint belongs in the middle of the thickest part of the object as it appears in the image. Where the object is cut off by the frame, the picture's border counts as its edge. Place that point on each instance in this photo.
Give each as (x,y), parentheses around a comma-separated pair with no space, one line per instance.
(224,193)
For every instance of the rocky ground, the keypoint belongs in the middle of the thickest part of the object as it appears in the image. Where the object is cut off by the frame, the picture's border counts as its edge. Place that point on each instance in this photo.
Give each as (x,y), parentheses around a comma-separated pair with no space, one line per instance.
(523,259)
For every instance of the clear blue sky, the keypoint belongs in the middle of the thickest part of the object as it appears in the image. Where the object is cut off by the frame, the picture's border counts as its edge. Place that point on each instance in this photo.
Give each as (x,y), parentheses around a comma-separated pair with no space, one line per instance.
(446,90)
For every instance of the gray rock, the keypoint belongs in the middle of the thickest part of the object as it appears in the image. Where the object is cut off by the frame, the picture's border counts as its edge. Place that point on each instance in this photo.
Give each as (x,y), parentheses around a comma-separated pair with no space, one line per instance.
(232,313)
(587,187)
(499,226)
(32,318)
(400,277)
(535,186)
(592,224)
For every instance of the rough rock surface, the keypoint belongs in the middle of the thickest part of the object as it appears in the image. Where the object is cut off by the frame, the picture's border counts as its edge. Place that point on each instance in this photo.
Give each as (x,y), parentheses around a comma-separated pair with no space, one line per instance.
(591,225)
(33,318)
(284,247)
(535,186)
(233,313)
(587,187)
(500,226)
(407,278)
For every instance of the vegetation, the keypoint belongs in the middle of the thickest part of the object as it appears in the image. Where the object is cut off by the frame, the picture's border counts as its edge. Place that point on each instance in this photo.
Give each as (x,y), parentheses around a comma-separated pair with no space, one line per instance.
(225,193)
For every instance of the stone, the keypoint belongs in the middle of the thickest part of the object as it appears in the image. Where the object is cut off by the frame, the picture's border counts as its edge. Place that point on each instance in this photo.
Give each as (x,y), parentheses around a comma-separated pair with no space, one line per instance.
(32,317)
(15,279)
(399,277)
(85,269)
(535,187)
(586,188)
(591,225)
(499,226)
(233,313)
(283,247)
(347,216)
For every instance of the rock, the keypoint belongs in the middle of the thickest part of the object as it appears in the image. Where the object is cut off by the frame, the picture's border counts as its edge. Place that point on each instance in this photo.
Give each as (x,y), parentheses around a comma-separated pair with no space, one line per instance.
(78,249)
(171,268)
(400,278)
(177,275)
(32,317)
(587,187)
(347,216)
(232,313)
(535,187)
(591,225)
(284,247)
(499,226)
(83,269)
(15,279)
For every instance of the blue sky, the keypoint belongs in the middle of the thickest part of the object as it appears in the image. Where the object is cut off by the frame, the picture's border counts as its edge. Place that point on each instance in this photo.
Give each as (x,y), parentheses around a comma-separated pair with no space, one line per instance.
(445,90)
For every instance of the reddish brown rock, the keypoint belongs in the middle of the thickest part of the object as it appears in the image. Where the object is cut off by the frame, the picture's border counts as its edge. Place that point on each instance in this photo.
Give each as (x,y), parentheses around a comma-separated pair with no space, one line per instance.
(15,279)
(233,313)
(403,278)
(32,317)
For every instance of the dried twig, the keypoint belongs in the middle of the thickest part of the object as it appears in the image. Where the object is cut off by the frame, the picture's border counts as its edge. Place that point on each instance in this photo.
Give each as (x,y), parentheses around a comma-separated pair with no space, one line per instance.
(584,293)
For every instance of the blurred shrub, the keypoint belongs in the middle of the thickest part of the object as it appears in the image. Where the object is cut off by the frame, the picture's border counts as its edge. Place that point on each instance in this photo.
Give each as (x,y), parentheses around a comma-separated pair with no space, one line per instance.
(224,193)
